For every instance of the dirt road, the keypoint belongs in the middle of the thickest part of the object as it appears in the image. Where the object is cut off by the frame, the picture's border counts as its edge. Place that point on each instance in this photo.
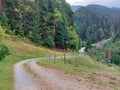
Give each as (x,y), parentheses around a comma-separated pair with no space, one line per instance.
(30,76)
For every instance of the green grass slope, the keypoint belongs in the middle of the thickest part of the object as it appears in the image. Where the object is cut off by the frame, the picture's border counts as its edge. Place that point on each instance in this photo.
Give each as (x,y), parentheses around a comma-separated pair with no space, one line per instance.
(20,50)
(85,64)
(95,72)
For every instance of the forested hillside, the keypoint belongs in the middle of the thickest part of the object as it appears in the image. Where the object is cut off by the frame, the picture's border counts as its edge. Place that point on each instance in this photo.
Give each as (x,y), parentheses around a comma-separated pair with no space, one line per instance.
(44,22)
(96,23)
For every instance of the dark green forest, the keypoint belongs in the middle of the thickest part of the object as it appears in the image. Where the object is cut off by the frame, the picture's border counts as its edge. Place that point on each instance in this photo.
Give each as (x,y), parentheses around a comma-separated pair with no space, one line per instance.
(44,22)
(96,23)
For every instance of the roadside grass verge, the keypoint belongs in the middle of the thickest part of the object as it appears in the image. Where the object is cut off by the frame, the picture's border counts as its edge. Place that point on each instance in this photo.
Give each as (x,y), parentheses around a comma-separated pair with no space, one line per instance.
(84,64)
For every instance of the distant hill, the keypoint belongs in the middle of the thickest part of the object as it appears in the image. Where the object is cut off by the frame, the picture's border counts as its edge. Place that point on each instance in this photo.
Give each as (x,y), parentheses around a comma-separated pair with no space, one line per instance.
(75,7)
(112,13)
(96,22)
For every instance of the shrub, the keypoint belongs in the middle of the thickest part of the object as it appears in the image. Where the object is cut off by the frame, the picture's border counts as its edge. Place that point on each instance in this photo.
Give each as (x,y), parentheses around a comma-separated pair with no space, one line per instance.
(2,33)
(4,51)
(49,42)
(115,59)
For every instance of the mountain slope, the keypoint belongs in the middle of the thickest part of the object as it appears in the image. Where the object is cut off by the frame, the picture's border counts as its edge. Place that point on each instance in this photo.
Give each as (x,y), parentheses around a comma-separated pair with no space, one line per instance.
(95,22)
(112,13)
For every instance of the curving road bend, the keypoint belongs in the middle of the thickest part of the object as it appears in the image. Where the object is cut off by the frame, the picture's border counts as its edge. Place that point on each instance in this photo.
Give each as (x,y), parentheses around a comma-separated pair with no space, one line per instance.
(23,80)
(30,76)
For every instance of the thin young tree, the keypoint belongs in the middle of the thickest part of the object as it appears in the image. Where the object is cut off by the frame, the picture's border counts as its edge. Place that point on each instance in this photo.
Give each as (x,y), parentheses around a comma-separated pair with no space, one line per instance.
(109,54)
(54,56)
(64,57)
(77,58)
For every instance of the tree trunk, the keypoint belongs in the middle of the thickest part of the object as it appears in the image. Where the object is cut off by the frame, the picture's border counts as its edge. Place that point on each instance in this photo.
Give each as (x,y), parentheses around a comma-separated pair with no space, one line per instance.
(77,58)
(1,5)
(64,57)
(54,56)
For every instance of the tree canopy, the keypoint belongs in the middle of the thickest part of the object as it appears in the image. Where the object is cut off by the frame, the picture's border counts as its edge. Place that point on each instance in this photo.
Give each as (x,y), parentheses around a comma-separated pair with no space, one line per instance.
(44,22)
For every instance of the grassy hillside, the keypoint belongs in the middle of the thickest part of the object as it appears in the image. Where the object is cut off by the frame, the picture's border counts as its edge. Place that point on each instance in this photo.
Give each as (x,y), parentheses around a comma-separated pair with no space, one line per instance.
(85,64)
(97,73)
(20,50)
